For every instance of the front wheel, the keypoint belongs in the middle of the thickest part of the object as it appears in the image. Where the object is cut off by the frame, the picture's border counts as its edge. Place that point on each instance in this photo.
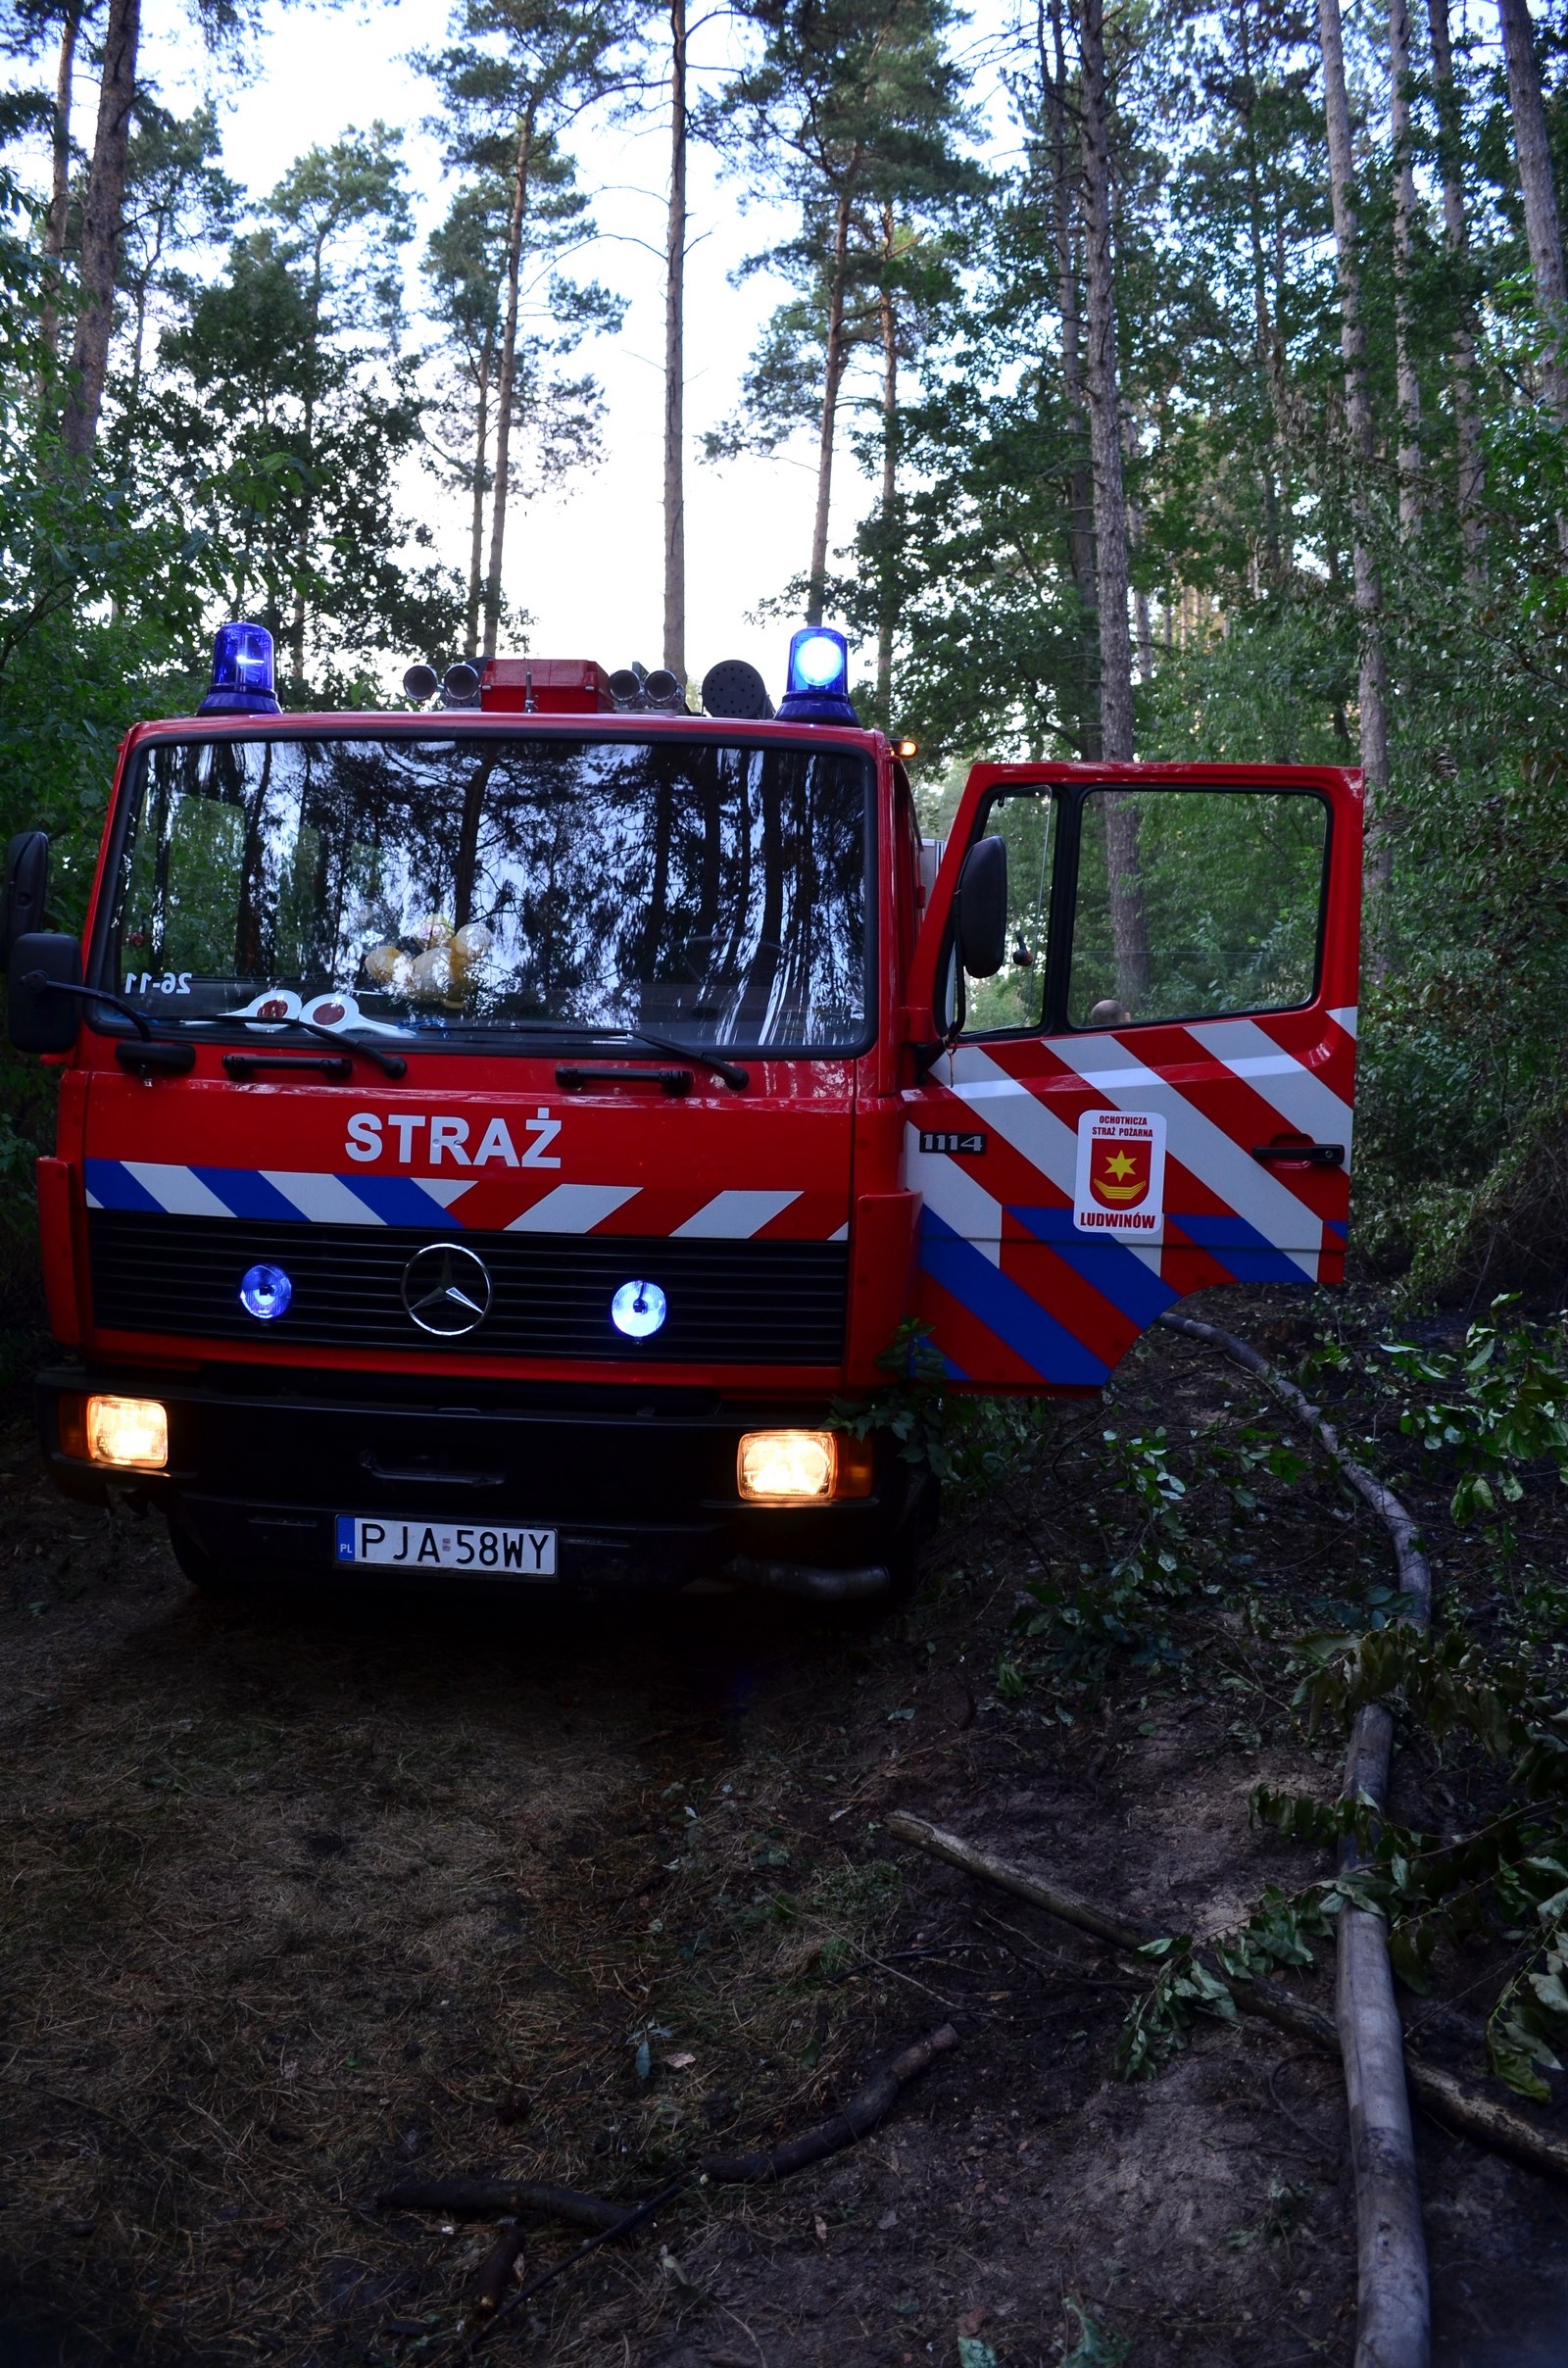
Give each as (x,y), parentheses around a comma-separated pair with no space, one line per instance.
(212,1577)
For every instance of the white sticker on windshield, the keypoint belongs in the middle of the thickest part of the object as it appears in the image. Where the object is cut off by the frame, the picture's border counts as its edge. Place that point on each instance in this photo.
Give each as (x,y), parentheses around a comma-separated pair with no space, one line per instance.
(273,1006)
(338,1010)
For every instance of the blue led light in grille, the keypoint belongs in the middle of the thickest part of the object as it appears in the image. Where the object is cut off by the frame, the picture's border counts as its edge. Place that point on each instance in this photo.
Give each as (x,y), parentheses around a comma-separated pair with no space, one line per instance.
(638,1310)
(264,1293)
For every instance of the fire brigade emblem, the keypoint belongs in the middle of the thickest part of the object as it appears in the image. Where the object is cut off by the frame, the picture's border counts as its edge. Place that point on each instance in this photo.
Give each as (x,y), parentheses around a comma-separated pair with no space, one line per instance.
(446,1290)
(1118,1175)
(1121,1176)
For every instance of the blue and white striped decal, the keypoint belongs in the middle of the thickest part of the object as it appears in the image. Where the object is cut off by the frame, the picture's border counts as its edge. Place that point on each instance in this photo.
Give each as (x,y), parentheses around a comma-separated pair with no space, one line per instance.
(314,1198)
(144,1185)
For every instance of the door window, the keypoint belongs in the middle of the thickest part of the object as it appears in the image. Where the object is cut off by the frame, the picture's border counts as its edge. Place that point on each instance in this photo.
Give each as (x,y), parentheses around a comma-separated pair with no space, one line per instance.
(1194,903)
(1014,998)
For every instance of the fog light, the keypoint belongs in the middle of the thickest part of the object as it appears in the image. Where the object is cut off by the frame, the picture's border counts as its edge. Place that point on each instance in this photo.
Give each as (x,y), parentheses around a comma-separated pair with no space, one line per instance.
(264,1293)
(638,1310)
(802,1467)
(133,1432)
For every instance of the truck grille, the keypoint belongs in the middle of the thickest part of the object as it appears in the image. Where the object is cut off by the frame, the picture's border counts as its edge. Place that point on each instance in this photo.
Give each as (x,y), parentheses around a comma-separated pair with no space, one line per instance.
(730,1303)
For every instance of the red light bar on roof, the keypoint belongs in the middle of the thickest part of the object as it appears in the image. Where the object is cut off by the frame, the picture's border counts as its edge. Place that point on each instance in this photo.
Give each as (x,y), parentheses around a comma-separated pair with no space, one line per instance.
(544,686)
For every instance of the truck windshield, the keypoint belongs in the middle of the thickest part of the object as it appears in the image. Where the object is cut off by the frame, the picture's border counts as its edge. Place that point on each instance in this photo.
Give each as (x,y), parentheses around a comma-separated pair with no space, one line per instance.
(484,884)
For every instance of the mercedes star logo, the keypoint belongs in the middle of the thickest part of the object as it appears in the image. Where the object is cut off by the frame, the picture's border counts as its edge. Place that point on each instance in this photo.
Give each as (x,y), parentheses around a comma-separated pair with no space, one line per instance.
(446,1289)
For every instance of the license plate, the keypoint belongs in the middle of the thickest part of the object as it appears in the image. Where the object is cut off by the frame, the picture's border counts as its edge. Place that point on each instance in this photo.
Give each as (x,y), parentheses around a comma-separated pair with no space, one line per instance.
(502,1554)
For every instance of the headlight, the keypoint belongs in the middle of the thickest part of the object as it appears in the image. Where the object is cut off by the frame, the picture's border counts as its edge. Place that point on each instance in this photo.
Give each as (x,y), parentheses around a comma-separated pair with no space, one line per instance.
(131,1432)
(802,1467)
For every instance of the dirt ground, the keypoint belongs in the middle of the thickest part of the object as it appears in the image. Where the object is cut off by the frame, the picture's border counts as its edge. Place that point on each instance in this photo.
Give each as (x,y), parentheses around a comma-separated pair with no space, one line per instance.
(302,1898)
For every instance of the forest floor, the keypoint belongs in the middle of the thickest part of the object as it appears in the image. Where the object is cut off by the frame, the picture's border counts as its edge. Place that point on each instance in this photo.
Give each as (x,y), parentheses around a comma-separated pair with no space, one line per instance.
(300,1900)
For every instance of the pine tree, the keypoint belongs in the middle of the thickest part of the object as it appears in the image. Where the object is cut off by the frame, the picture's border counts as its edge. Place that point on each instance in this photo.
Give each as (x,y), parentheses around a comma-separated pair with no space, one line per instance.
(516,74)
(847,112)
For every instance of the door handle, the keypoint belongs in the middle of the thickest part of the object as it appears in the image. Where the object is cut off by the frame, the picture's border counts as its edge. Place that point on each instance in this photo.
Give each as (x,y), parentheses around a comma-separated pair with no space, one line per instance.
(668,1081)
(1303,1153)
(242,1066)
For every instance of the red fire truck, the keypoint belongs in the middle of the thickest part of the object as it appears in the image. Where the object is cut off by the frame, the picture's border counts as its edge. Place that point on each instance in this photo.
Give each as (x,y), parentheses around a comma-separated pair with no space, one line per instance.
(498,1138)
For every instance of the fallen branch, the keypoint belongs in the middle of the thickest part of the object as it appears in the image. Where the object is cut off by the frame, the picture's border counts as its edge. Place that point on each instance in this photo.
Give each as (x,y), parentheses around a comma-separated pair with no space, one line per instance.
(1393,2309)
(482,2199)
(499,2269)
(1415,1576)
(623,2227)
(500,2200)
(1454,2102)
(866,2109)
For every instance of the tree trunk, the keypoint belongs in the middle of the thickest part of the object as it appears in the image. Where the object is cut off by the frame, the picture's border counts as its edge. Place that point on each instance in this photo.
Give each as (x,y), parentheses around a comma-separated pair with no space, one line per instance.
(1269,345)
(1129,932)
(302,546)
(101,228)
(1409,388)
(1542,228)
(1373,693)
(54,235)
(1472,483)
(482,441)
(1080,489)
(507,382)
(1105,400)
(675,357)
(832,374)
(889,319)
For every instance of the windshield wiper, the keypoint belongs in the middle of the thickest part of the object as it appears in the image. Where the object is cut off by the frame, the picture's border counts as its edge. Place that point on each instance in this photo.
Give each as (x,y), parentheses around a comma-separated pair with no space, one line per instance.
(391,1064)
(730,1070)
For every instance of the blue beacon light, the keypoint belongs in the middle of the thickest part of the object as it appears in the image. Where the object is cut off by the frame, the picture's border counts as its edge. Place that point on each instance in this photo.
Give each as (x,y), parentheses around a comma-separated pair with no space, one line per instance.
(818,689)
(264,1292)
(638,1310)
(242,672)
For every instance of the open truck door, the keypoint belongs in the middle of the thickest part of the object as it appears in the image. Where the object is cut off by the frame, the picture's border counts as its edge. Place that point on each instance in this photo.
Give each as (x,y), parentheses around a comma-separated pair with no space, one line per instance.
(1140,1072)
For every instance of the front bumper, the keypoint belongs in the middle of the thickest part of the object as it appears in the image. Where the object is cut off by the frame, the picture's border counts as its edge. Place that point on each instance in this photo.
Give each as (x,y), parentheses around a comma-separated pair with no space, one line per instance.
(638,1483)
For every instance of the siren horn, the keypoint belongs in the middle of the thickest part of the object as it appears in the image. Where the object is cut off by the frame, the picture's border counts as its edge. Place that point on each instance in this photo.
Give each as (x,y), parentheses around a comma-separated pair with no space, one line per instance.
(732,688)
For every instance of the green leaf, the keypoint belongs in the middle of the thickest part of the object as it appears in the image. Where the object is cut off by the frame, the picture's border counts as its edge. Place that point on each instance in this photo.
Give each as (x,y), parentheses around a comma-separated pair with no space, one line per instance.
(1512,2065)
(1549,1989)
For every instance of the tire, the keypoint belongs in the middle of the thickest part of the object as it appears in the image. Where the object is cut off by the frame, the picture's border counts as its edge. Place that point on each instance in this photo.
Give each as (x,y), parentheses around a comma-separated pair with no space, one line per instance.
(199,1568)
(914,1532)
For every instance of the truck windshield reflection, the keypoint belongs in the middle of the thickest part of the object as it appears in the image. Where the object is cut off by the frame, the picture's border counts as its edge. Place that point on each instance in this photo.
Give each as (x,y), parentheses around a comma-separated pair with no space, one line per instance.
(708,891)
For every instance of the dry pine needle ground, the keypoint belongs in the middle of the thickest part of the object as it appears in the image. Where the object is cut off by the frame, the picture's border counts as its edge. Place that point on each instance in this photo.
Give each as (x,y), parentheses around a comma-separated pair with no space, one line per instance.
(300,1900)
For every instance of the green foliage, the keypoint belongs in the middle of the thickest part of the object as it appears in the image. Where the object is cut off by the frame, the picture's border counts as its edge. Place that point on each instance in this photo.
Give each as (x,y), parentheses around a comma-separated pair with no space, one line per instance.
(1158,1554)
(1095,2346)
(1242,502)
(1232,890)
(1499,1403)
(516,74)
(1492,1411)
(853,114)
(1531,2018)
(1194,1979)
(1507,1878)
(969,1443)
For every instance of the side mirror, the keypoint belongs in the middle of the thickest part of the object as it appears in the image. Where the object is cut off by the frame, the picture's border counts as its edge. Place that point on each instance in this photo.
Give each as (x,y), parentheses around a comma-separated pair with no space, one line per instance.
(27,888)
(982,909)
(42,1018)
